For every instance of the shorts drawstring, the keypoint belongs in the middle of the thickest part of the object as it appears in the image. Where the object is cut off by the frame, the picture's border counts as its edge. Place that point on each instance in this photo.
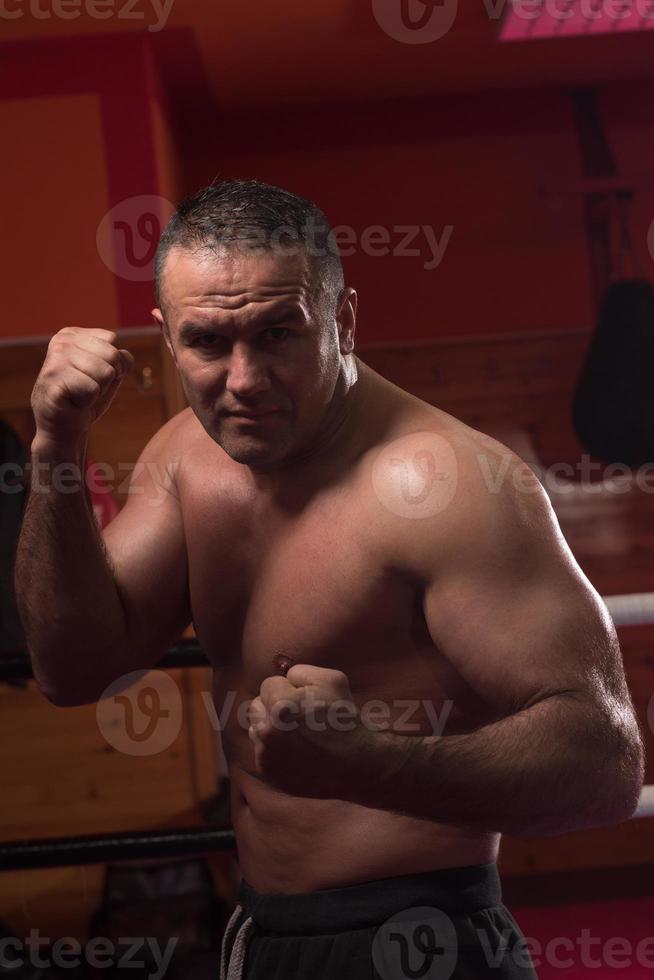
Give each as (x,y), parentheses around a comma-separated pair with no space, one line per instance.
(232,968)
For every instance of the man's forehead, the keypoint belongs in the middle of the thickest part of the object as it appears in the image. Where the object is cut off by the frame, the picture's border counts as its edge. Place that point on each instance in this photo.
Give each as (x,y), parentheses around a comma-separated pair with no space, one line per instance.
(230,277)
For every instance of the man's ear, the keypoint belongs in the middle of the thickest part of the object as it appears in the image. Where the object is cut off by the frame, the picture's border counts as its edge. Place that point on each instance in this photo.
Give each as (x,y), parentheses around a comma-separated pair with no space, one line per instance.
(346,315)
(159,318)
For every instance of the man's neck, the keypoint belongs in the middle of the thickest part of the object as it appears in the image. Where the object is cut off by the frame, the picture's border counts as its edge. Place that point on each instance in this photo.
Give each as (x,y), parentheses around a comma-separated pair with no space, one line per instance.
(330,444)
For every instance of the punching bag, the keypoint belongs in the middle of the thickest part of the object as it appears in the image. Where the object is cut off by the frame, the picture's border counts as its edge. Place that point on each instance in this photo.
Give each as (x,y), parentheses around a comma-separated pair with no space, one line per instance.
(613,402)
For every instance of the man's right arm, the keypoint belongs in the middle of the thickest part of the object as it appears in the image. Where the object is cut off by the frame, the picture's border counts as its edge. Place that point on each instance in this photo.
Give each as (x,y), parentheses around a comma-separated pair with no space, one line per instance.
(95,607)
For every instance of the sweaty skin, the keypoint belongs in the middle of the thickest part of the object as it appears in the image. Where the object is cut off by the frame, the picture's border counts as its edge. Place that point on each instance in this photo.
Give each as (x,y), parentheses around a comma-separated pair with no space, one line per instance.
(305,510)
(310,572)
(289,549)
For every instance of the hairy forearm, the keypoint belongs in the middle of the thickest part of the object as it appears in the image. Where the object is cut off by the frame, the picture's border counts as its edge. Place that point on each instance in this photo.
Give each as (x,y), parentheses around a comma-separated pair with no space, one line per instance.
(557,766)
(69,606)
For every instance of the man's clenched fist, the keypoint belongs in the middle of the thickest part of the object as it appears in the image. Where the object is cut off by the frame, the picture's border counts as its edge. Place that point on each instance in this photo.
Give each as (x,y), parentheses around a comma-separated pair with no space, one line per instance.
(307,733)
(82,372)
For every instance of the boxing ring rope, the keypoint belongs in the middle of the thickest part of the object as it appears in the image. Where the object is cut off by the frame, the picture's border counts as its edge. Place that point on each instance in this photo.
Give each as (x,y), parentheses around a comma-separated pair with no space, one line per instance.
(55,852)
(186,653)
(646,803)
(636,609)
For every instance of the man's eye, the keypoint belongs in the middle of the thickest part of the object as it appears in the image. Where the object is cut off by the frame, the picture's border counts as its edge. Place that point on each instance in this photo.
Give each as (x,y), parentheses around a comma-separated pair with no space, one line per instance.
(274,333)
(204,340)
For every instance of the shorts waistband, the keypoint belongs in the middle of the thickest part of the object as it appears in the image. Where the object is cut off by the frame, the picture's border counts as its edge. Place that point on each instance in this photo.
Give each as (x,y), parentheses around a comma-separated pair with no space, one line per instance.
(456,891)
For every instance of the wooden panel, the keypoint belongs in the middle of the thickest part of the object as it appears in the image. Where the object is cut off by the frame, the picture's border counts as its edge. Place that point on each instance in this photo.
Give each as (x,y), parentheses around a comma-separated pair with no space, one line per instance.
(63,777)
(520,383)
(503,367)
(56,901)
(62,901)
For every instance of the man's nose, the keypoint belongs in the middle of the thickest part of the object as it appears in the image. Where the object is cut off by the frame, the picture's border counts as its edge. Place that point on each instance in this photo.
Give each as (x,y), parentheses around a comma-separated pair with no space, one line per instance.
(246,376)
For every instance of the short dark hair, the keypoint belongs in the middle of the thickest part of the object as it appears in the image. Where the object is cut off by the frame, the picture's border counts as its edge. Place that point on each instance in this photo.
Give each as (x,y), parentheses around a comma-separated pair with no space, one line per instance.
(255,214)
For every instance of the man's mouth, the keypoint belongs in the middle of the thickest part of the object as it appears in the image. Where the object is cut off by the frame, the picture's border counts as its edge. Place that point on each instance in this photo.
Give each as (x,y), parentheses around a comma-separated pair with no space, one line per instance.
(255,415)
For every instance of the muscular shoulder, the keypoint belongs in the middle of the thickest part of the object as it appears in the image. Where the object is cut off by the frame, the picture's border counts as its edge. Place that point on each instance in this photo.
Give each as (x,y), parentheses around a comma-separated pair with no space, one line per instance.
(440,488)
(163,455)
(175,436)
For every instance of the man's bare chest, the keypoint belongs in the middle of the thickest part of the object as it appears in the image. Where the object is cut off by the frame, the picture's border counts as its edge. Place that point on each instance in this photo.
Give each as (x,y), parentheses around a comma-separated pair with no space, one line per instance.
(309,585)
(318,584)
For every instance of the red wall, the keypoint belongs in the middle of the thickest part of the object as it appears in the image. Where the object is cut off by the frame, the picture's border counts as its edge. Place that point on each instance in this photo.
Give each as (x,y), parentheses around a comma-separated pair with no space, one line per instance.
(514,262)
(93,111)
(83,120)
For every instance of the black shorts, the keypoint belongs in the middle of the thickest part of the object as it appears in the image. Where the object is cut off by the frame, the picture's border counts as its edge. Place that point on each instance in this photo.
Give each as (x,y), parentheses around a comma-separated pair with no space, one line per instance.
(434,925)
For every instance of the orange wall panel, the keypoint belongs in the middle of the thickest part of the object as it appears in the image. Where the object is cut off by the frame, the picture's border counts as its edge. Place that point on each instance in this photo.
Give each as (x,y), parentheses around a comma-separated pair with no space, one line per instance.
(55,195)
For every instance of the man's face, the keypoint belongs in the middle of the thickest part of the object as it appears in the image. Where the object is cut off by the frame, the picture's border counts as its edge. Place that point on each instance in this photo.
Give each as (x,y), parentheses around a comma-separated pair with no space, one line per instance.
(247,337)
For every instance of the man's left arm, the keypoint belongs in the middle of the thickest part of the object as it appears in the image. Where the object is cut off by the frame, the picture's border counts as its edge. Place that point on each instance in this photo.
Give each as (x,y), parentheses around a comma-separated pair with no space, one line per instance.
(507,604)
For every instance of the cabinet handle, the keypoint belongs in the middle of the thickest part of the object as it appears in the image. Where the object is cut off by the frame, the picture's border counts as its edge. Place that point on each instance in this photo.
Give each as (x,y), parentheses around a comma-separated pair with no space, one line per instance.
(146,381)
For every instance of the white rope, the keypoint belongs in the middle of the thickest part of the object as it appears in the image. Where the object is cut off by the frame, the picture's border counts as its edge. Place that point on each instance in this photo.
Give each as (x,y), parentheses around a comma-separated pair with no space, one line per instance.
(636,609)
(646,804)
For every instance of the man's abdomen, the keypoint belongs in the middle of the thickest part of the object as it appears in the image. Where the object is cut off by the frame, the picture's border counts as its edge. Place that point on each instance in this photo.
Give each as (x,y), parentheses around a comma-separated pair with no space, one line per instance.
(289,845)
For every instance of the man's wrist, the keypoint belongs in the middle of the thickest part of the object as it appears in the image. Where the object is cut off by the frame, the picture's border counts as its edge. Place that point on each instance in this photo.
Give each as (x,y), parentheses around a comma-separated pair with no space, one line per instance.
(384,762)
(55,465)
(46,449)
